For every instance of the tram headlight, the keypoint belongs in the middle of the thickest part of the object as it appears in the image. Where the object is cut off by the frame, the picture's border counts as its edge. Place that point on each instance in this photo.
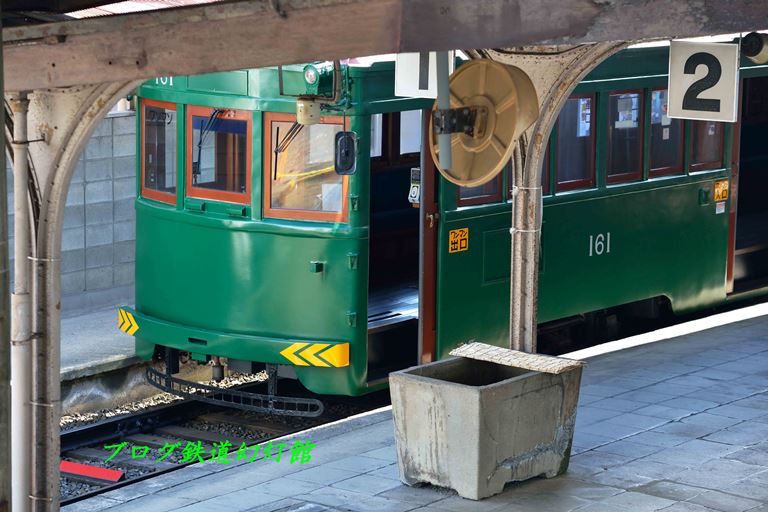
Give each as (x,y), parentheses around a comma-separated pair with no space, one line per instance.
(310,75)
(755,47)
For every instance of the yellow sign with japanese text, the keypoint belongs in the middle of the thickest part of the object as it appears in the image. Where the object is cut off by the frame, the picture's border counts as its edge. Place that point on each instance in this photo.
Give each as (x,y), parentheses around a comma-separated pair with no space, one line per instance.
(721,190)
(458,240)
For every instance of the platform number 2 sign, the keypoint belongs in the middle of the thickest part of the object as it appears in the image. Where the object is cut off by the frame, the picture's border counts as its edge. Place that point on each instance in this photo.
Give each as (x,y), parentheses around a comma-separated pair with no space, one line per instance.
(703,81)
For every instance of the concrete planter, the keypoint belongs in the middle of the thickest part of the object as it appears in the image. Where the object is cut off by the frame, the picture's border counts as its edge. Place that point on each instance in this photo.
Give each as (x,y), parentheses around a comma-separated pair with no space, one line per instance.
(474,425)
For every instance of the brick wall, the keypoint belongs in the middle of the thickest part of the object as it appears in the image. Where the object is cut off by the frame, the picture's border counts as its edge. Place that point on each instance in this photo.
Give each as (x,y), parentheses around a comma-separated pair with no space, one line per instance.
(98,242)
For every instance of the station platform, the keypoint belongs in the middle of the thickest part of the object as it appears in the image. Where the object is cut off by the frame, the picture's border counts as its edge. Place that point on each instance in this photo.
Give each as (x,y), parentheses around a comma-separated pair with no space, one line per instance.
(677,424)
(92,344)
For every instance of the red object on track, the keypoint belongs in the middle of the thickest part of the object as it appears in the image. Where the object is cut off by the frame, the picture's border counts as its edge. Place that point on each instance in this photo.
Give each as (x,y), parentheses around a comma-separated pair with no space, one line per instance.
(74,468)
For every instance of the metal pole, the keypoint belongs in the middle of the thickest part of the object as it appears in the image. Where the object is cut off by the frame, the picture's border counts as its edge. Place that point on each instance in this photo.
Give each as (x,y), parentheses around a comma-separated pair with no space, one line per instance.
(5,346)
(443,103)
(46,351)
(5,334)
(526,234)
(21,319)
(46,393)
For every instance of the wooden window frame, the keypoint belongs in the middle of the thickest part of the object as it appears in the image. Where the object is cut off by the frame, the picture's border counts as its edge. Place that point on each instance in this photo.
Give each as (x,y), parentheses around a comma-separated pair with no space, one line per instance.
(156,195)
(220,195)
(284,213)
(666,171)
(586,183)
(625,176)
(484,199)
(706,166)
(390,145)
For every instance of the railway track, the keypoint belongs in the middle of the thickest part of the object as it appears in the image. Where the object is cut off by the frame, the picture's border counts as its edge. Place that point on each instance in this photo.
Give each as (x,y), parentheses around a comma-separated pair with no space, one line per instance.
(148,434)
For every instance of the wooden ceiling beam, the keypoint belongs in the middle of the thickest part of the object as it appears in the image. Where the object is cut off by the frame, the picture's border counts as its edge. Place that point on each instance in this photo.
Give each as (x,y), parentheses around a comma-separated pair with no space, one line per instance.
(255,33)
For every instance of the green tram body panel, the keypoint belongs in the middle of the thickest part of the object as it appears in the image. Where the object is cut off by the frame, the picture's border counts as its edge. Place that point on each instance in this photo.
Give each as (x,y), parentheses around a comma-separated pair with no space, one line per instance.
(242,286)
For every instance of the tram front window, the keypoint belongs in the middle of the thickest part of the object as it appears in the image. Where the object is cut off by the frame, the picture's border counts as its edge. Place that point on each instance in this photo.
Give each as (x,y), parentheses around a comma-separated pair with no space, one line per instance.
(302,173)
(220,154)
(159,152)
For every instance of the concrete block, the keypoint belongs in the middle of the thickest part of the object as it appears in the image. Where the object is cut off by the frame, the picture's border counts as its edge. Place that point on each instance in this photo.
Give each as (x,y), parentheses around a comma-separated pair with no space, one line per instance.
(125,209)
(108,297)
(79,174)
(124,145)
(73,282)
(103,128)
(124,125)
(72,261)
(125,252)
(98,213)
(99,256)
(98,278)
(124,274)
(73,238)
(98,191)
(475,425)
(124,167)
(76,194)
(98,169)
(73,302)
(74,216)
(125,188)
(98,147)
(125,230)
(99,234)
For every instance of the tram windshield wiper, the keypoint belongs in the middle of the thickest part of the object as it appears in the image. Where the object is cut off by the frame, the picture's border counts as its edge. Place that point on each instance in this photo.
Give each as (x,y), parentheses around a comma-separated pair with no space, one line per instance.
(205,129)
(293,131)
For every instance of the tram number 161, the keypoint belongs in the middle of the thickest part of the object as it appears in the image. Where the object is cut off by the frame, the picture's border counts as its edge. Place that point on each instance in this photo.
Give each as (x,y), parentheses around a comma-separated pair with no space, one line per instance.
(600,244)
(164,80)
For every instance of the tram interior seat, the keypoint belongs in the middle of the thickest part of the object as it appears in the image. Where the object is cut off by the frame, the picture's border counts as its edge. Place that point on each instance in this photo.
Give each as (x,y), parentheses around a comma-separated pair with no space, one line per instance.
(751,254)
(393,274)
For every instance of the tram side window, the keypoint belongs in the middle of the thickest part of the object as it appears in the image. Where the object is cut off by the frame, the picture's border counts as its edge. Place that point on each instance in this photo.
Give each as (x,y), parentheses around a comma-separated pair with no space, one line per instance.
(575,144)
(489,192)
(706,145)
(219,154)
(666,138)
(159,152)
(300,179)
(410,132)
(625,137)
(377,134)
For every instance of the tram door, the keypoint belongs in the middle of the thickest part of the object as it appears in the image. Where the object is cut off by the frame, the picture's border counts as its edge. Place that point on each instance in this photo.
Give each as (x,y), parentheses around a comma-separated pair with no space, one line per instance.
(393,274)
(748,265)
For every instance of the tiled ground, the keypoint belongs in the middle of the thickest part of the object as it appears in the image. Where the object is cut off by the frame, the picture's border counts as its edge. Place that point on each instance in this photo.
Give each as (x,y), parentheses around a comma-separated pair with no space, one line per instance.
(679,425)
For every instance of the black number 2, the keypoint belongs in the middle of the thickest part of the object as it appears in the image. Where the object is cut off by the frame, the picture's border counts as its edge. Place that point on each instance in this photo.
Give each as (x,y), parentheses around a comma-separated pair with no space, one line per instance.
(691,100)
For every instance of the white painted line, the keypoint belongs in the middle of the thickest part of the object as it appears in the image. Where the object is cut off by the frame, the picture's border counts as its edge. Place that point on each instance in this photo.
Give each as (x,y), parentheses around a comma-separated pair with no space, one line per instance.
(674,331)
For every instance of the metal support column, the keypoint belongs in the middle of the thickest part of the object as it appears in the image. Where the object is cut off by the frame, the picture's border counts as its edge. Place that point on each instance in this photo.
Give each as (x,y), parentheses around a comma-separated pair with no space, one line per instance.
(21,310)
(526,232)
(46,349)
(5,334)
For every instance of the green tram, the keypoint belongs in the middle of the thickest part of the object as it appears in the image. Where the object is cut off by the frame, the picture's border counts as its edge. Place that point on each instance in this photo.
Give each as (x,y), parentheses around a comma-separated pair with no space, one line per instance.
(251,248)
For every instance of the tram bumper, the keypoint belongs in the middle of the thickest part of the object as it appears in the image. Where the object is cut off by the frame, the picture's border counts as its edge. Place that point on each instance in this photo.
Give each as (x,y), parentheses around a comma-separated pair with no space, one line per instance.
(322,366)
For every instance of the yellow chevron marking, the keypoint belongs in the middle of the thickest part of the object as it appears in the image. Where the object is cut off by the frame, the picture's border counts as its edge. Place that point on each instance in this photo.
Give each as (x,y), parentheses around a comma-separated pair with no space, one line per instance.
(337,355)
(120,318)
(309,354)
(290,354)
(133,326)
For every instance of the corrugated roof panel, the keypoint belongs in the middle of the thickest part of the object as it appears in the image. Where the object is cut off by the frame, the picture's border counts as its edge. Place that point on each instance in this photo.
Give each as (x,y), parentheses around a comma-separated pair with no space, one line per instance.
(135,6)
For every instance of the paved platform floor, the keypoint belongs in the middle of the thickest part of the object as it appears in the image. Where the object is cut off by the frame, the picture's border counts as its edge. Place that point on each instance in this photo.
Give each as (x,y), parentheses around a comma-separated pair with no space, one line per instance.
(677,425)
(92,344)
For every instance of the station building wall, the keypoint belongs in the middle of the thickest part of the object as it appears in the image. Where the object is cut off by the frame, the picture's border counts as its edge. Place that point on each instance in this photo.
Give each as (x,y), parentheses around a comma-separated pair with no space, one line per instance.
(99,237)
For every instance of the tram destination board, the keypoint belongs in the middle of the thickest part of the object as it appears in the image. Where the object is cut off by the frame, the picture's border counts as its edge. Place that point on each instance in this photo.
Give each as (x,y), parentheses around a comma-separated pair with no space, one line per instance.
(703,81)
